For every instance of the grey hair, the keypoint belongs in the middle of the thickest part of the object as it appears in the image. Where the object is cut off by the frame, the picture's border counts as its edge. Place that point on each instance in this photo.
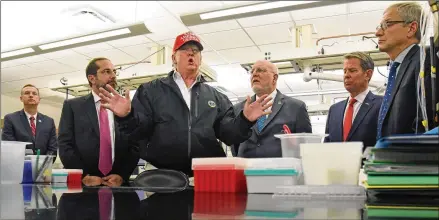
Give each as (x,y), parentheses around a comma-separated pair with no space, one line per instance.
(366,61)
(409,12)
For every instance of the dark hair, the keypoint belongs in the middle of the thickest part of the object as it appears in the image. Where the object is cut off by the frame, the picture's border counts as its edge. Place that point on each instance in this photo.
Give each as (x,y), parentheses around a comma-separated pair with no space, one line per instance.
(30,85)
(92,67)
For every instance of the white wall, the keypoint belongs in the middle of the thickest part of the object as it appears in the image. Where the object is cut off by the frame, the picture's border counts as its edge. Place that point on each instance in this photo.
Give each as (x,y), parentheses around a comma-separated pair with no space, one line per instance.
(11,104)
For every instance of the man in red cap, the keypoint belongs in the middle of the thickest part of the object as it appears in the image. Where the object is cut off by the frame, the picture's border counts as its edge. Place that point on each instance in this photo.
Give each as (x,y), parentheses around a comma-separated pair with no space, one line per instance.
(180,116)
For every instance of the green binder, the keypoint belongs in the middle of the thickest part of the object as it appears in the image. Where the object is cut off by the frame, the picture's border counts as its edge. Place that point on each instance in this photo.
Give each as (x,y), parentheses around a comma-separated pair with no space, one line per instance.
(402,180)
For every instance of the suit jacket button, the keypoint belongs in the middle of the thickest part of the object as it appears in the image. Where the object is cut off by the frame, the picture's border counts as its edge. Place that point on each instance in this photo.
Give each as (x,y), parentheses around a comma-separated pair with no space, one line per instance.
(259,145)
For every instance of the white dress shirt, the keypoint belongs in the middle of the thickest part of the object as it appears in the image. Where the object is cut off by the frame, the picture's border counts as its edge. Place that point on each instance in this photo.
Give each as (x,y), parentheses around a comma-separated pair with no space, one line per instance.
(185,91)
(28,118)
(360,99)
(401,57)
(110,121)
(273,96)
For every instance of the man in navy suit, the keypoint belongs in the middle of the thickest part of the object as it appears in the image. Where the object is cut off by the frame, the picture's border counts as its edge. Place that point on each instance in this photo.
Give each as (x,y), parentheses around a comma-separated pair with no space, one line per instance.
(29,125)
(355,119)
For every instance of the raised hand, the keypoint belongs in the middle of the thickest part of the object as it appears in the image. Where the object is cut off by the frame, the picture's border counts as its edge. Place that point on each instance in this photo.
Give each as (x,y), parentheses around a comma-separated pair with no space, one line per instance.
(252,111)
(119,105)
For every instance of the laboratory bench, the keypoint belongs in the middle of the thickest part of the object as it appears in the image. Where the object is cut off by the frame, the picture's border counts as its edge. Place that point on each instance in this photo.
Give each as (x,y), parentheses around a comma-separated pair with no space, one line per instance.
(46,202)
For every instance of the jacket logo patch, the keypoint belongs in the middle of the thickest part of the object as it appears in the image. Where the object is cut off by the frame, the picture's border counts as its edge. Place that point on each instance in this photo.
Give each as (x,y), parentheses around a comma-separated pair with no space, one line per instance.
(211,103)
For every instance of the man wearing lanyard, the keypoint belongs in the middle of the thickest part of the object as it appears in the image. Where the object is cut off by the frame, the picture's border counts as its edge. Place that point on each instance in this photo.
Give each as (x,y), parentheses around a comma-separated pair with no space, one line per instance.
(398,35)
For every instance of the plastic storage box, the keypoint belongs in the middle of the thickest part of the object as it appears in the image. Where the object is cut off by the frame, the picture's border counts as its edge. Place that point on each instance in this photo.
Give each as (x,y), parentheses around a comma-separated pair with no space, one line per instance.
(340,164)
(290,143)
(266,174)
(219,174)
(12,161)
(59,176)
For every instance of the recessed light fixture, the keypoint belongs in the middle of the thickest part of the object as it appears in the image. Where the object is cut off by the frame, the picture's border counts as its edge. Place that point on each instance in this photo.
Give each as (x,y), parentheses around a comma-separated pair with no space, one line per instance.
(85,38)
(17,52)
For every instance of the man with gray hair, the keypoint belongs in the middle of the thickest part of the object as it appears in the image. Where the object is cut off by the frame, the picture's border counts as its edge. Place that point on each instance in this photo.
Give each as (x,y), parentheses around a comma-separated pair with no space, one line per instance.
(285,111)
(398,35)
(355,119)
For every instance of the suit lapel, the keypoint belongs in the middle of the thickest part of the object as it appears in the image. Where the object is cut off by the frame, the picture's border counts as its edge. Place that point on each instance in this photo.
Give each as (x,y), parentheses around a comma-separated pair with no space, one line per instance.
(38,122)
(275,108)
(340,114)
(91,112)
(26,124)
(364,109)
(402,71)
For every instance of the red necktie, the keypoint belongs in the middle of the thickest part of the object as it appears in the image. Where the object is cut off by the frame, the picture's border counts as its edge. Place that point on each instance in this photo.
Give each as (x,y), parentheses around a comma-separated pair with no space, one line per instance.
(105,160)
(348,119)
(32,125)
(105,195)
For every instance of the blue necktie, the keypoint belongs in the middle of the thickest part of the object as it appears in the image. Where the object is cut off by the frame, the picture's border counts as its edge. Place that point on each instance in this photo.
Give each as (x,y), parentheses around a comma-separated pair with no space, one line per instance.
(385,105)
(260,122)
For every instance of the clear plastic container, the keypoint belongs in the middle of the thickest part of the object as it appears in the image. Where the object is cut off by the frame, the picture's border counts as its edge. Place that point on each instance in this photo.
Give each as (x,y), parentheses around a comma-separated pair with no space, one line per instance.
(323,191)
(12,161)
(331,163)
(41,172)
(290,143)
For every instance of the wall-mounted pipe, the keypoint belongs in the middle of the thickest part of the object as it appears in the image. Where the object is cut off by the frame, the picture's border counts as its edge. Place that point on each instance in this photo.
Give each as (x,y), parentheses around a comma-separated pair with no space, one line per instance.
(340,36)
(308,76)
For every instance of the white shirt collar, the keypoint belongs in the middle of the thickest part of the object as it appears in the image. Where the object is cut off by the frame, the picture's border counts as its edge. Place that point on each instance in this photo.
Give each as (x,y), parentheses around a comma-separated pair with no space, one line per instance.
(96,97)
(403,54)
(177,76)
(29,115)
(272,95)
(362,96)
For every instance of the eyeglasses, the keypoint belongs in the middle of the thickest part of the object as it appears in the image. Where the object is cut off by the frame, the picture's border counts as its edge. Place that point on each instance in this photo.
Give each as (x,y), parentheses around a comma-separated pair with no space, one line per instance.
(257,70)
(189,50)
(387,24)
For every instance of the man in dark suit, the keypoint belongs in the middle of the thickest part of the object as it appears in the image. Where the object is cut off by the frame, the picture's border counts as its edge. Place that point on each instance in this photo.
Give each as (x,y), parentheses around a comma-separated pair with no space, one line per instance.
(89,138)
(29,125)
(285,111)
(355,119)
(398,36)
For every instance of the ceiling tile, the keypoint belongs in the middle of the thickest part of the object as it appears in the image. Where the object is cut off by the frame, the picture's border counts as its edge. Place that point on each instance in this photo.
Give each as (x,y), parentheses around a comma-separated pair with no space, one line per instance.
(93,48)
(10,63)
(78,61)
(212,59)
(19,72)
(122,12)
(238,3)
(32,59)
(139,52)
(278,51)
(116,56)
(164,28)
(149,9)
(242,55)
(265,19)
(190,7)
(222,40)
(364,22)
(363,6)
(329,26)
(269,34)
(59,54)
(319,12)
(129,41)
(215,27)
(49,67)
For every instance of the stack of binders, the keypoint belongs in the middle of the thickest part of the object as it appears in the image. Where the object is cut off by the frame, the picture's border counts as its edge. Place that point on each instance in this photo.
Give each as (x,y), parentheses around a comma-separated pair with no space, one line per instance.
(403,178)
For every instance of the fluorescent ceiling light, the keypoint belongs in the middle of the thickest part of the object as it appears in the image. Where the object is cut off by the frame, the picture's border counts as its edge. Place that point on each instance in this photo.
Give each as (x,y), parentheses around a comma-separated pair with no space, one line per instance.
(17,52)
(251,8)
(85,38)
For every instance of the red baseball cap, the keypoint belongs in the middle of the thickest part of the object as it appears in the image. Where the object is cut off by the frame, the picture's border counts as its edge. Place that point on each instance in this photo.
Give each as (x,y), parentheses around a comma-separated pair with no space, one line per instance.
(184,38)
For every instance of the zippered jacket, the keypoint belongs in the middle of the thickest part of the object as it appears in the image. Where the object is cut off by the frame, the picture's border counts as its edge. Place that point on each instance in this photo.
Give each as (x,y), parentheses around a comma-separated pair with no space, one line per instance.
(173,133)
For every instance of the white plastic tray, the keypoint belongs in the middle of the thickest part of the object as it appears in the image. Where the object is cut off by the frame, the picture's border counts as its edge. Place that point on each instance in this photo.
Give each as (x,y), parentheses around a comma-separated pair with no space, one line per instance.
(326,191)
